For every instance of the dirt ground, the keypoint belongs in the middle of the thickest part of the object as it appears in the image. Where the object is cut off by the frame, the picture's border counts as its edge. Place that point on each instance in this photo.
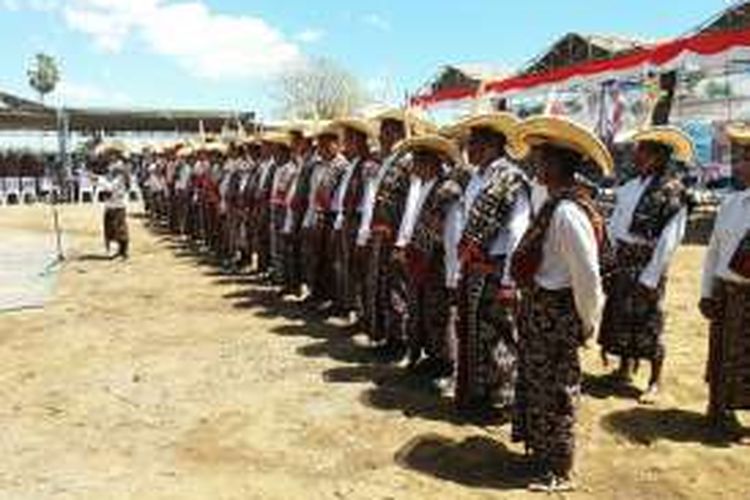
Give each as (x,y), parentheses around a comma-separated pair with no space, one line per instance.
(160,378)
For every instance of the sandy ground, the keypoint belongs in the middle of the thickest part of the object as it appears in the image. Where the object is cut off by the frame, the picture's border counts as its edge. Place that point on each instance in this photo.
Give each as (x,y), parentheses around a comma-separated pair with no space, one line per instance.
(159,378)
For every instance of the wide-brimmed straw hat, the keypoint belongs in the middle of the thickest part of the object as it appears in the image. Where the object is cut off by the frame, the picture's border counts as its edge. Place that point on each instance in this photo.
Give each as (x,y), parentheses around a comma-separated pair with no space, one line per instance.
(328,128)
(431,142)
(678,141)
(184,151)
(360,125)
(111,147)
(739,133)
(413,122)
(279,138)
(213,147)
(500,122)
(565,133)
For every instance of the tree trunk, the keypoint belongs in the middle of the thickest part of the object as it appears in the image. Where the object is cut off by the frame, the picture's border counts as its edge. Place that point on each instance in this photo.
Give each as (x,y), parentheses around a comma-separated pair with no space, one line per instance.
(667,83)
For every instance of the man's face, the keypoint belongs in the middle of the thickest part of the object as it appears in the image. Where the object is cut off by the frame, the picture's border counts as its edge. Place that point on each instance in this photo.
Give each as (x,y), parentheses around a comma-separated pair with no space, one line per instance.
(328,147)
(741,164)
(426,164)
(355,143)
(391,132)
(647,160)
(266,150)
(546,165)
(297,143)
(482,148)
(281,154)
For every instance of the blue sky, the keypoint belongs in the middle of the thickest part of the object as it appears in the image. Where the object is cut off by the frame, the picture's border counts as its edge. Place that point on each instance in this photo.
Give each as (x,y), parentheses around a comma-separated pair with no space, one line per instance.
(225,53)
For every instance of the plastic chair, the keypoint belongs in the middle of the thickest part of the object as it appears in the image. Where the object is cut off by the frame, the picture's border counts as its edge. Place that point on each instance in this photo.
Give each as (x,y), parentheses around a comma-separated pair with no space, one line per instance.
(135,194)
(102,188)
(12,190)
(28,190)
(46,187)
(86,188)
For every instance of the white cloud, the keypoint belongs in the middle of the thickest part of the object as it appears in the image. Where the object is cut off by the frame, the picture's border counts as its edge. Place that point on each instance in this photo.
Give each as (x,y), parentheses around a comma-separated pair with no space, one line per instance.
(43,5)
(11,5)
(85,94)
(205,43)
(377,21)
(310,35)
(36,5)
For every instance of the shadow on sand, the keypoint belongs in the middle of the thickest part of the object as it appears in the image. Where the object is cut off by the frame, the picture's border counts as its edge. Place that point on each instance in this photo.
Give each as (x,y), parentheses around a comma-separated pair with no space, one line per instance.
(478,462)
(605,387)
(648,425)
(95,257)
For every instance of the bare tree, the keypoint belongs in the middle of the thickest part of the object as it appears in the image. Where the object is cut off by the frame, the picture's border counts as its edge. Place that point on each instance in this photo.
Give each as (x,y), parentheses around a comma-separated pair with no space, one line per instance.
(43,74)
(318,90)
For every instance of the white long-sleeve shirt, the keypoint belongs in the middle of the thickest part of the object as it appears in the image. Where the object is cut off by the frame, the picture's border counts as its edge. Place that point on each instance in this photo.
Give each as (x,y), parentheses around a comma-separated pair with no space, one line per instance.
(507,238)
(308,220)
(628,196)
(265,170)
(419,190)
(340,194)
(731,226)
(570,259)
(369,199)
(289,202)
(183,177)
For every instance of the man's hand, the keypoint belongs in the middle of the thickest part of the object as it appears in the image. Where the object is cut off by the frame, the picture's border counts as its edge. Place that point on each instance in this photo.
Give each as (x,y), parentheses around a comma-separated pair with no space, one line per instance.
(651,294)
(507,297)
(708,307)
(399,256)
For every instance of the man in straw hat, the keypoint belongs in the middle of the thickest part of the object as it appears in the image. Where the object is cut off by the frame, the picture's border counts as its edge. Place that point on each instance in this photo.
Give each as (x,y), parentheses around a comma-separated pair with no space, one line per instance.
(373,243)
(320,217)
(296,205)
(557,266)
(489,222)
(247,201)
(420,250)
(725,296)
(261,203)
(348,203)
(115,208)
(280,186)
(183,172)
(237,171)
(646,227)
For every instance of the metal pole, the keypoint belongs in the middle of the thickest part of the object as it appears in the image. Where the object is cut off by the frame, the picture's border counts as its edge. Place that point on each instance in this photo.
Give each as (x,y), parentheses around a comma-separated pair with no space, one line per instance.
(58,179)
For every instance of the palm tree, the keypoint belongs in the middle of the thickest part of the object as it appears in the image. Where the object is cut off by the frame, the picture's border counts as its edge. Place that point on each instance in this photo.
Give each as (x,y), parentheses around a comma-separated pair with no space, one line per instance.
(43,74)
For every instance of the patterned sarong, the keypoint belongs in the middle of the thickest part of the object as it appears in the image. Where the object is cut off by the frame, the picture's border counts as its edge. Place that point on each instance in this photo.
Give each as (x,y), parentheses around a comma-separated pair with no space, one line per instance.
(346,270)
(728,370)
(549,376)
(487,353)
(633,323)
(276,241)
(428,310)
(376,304)
(115,225)
(319,258)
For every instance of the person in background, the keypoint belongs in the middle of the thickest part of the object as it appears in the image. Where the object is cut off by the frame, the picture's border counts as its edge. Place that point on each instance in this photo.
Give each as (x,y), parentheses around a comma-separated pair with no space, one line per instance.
(725,297)
(115,208)
(646,228)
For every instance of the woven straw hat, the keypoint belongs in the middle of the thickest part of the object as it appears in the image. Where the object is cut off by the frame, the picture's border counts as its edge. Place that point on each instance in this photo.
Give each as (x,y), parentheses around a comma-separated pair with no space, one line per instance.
(565,133)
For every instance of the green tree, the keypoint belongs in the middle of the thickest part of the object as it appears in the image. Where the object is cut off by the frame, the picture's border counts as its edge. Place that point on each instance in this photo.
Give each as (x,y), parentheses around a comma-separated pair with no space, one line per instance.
(44,75)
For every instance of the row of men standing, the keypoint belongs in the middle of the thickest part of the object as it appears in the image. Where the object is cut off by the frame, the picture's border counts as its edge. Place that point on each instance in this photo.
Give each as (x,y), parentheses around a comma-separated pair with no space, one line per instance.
(478,255)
